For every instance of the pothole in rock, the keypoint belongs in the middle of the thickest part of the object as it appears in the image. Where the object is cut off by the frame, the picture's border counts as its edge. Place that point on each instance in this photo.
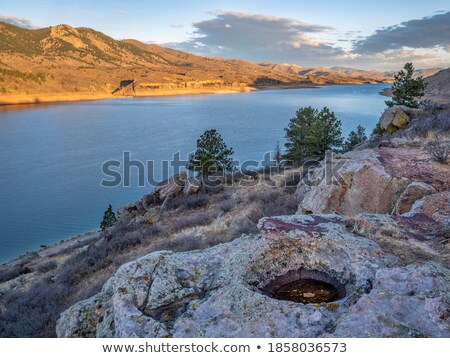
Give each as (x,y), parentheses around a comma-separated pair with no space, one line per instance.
(305,286)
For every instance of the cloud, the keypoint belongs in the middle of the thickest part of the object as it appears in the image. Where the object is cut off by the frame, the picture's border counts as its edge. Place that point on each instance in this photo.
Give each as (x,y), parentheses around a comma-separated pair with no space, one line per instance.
(176,26)
(17,21)
(428,32)
(260,38)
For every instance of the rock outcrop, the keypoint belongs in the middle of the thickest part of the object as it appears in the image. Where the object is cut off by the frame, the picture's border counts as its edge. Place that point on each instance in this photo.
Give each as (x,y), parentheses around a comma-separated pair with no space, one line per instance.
(218,292)
(438,86)
(413,192)
(351,184)
(395,118)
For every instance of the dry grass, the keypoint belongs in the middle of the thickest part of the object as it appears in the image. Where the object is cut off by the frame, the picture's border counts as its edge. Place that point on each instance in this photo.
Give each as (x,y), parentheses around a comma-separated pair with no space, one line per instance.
(213,216)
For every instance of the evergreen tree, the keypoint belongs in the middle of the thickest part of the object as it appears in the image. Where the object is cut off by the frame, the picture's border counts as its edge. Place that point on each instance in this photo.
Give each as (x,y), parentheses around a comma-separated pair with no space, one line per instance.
(212,155)
(109,218)
(407,89)
(355,138)
(377,131)
(311,133)
(278,156)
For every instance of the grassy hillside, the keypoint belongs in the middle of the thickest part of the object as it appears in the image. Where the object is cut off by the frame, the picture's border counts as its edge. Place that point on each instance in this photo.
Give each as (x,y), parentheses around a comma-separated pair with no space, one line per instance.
(64,59)
(89,64)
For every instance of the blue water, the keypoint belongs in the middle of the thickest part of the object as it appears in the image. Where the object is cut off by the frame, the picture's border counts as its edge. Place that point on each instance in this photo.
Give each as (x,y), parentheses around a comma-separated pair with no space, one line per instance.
(51,156)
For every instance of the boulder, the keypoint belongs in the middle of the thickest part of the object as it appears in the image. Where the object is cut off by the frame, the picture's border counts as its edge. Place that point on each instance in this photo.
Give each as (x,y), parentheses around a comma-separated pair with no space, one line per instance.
(350,185)
(436,206)
(222,291)
(413,192)
(91,317)
(404,302)
(171,187)
(394,118)
(147,209)
(413,237)
(192,186)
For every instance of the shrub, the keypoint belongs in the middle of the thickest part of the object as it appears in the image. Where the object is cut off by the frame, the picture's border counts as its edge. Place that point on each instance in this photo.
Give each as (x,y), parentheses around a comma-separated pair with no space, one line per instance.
(269,203)
(47,266)
(291,181)
(243,226)
(185,242)
(13,272)
(195,201)
(33,313)
(439,151)
(184,222)
(188,201)
(227,205)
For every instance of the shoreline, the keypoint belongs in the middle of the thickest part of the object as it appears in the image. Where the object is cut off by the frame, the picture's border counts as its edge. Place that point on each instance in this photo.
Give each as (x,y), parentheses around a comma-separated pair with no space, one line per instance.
(9,101)
(386,92)
(49,250)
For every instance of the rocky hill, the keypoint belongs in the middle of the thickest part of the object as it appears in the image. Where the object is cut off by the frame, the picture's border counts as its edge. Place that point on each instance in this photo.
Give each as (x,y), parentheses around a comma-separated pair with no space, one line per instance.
(325,75)
(63,59)
(62,62)
(438,87)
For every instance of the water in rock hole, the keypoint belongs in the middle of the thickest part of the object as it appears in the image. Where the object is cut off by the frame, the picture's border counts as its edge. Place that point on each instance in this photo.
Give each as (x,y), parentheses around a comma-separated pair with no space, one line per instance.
(306,291)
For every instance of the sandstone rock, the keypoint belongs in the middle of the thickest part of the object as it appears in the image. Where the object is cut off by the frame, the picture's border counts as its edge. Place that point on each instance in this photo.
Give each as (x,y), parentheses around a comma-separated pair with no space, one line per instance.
(401,119)
(89,318)
(447,228)
(436,206)
(173,186)
(414,163)
(219,292)
(351,185)
(147,209)
(192,186)
(413,238)
(413,192)
(394,118)
(404,302)
(397,117)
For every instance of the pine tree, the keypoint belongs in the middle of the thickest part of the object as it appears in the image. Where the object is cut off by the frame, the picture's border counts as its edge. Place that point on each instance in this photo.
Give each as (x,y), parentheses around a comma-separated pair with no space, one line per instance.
(212,155)
(311,133)
(278,156)
(109,218)
(377,131)
(407,89)
(355,138)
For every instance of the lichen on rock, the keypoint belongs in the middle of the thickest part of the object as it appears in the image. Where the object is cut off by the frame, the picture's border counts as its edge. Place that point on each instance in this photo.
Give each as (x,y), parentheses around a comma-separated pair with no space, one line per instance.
(218,292)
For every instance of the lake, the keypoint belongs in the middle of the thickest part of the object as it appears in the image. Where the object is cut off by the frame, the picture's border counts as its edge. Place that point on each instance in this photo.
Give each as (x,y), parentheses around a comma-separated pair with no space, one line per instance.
(52,155)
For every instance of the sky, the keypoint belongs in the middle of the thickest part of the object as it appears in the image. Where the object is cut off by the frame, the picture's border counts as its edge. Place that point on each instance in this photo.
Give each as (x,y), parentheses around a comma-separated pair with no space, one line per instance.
(362,34)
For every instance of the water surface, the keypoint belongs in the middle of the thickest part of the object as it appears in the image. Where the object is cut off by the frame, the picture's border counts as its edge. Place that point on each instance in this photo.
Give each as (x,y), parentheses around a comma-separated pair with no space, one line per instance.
(51,156)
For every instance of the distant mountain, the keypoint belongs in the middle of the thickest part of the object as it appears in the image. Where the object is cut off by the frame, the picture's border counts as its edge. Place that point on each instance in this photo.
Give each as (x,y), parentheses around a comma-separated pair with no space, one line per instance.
(62,59)
(66,59)
(324,75)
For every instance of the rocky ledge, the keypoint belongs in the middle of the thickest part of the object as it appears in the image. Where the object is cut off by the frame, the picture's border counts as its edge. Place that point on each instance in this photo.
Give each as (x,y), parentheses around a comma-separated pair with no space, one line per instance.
(222,291)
